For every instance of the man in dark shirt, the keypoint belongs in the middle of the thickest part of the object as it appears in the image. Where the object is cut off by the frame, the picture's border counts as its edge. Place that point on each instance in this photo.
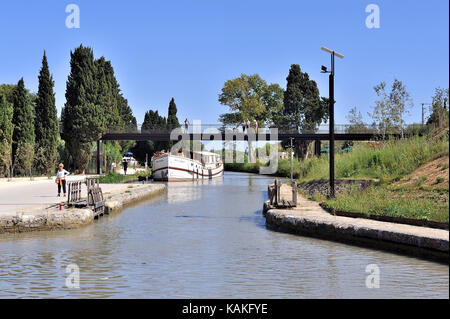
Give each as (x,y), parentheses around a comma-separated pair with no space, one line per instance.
(125,166)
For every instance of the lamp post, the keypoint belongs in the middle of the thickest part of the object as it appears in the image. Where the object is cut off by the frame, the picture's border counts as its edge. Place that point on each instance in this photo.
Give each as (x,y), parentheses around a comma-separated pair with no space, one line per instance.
(331,114)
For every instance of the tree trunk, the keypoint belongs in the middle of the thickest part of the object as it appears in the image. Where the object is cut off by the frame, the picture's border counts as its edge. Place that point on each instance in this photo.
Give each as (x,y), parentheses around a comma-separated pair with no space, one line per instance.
(251,156)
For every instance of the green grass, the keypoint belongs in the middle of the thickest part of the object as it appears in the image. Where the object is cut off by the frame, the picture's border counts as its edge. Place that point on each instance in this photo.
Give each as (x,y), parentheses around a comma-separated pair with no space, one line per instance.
(116,178)
(391,161)
(408,202)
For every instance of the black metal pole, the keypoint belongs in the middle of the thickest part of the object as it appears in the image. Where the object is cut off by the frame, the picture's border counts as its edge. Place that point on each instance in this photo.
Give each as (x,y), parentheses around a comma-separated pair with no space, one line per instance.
(331,111)
(99,157)
(291,155)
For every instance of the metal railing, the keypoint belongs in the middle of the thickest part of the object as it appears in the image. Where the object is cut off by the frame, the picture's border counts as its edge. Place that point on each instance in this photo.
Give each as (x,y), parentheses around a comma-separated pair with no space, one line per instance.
(220,128)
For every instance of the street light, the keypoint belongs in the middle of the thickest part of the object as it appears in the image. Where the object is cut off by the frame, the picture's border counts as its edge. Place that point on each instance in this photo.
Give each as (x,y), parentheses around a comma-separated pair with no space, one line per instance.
(331,114)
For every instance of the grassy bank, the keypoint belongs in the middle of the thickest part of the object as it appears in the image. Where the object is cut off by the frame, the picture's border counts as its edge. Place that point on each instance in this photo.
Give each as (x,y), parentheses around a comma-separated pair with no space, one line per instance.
(388,164)
(389,200)
(390,161)
(116,178)
(397,192)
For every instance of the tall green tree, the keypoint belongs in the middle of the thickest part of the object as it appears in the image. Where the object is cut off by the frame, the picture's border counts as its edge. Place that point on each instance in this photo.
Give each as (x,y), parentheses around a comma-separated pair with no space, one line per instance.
(172,119)
(6,133)
(250,97)
(128,121)
(304,109)
(23,134)
(107,93)
(46,122)
(83,117)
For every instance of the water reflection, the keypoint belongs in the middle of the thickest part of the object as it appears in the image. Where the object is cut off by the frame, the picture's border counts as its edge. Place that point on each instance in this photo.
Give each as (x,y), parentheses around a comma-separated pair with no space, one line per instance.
(188,191)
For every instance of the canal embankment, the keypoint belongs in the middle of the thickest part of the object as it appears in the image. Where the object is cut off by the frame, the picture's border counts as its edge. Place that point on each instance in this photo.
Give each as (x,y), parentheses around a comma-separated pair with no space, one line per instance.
(310,219)
(53,217)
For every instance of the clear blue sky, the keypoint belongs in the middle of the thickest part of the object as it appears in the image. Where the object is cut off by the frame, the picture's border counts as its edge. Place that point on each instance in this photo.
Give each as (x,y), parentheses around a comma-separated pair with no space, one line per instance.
(188,49)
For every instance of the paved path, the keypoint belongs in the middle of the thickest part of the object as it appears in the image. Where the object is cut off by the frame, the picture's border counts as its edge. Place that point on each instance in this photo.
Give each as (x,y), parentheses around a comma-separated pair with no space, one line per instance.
(309,217)
(25,195)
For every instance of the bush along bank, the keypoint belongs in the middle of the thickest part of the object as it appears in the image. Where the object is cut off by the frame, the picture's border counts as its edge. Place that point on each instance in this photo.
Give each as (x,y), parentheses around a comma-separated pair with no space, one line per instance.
(116,178)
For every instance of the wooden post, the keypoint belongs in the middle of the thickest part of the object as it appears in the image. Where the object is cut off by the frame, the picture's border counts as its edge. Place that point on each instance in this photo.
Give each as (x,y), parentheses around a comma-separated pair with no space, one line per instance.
(294,193)
(68,192)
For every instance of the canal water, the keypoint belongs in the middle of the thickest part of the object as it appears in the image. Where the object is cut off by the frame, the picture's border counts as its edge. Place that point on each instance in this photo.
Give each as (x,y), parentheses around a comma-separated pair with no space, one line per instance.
(204,240)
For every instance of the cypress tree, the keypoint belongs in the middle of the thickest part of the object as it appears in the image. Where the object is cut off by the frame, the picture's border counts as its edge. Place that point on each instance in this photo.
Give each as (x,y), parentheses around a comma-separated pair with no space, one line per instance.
(83,118)
(23,134)
(6,133)
(46,122)
(126,114)
(94,104)
(303,107)
(172,120)
(293,96)
(107,93)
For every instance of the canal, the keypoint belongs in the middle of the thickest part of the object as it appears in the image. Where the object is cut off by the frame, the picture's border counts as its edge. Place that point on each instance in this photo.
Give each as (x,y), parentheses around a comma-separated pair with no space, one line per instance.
(204,240)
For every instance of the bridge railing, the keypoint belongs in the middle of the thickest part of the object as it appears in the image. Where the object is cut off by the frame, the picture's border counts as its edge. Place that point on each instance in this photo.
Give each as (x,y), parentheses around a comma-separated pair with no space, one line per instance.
(220,128)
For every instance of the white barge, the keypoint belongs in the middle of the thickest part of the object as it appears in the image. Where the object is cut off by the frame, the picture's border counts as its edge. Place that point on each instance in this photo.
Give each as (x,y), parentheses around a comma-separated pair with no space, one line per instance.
(186,166)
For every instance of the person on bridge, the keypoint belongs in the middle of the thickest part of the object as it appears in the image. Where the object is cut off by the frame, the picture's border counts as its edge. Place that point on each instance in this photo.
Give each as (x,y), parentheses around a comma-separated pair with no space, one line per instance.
(61,179)
(186,125)
(255,126)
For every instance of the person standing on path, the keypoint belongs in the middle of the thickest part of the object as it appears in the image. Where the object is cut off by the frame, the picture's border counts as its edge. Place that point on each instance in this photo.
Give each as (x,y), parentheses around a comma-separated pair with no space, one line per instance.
(125,166)
(255,126)
(247,124)
(186,125)
(61,179)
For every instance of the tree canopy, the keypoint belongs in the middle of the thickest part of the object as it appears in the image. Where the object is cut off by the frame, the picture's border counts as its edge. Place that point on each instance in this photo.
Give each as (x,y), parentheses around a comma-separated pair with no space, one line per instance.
(94,104)
(304,109)
(391,107)
(250,97)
